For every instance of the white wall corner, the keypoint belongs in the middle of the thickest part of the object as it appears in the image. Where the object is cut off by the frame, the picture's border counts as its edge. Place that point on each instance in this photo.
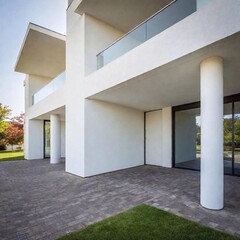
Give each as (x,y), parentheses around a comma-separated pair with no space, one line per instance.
(114,137)
(167,137)
(33,139)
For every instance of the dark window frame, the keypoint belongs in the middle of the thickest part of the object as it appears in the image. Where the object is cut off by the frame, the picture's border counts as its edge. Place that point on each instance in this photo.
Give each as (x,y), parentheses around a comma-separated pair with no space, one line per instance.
(228,99)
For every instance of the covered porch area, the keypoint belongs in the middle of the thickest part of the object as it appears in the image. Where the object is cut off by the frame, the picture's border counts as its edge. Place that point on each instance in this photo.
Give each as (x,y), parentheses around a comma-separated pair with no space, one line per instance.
(206,76)
(45,136)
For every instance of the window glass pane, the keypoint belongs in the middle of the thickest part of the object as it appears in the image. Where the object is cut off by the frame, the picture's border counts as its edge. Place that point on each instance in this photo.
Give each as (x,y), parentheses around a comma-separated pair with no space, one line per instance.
(237,138)
(227,132)
(187,139)
(47,139)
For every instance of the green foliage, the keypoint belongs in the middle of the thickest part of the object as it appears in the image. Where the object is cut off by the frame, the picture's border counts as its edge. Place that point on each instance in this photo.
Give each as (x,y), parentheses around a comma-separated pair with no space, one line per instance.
(47,131)
(3,129)
(5,112)
(14,133)
(237,132)
(227,133)
(4,115)
(2,147)
(11,130)
(198,136)
(146,223)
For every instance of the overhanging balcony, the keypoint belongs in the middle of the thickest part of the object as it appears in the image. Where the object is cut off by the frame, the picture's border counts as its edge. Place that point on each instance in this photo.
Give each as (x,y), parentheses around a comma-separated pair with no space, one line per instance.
(51,87)
(163,19)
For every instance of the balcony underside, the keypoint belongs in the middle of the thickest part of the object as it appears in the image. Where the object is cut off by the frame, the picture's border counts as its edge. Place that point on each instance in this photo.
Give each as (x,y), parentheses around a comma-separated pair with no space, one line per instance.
(42,52)
(121,15)
(46,116)
(177,82)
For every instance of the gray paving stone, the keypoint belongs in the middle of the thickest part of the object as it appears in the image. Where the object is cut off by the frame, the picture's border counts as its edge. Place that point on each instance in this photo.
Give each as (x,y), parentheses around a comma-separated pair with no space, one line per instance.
(41,201)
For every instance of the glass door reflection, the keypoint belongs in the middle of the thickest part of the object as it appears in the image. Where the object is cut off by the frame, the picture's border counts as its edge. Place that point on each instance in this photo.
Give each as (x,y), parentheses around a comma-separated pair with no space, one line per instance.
(237,138)
(228,137)
(46,139)
(188,139)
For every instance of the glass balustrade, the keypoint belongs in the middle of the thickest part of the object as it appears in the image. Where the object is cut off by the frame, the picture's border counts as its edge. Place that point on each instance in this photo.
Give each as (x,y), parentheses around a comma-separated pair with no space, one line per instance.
(165,18)
(51,87)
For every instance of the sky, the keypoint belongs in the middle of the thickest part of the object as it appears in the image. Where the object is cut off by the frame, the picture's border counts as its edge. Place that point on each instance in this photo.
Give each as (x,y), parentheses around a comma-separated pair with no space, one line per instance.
(15,16)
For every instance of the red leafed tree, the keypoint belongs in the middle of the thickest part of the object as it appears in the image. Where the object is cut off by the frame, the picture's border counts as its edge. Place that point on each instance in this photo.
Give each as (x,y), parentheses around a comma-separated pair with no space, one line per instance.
(15,131)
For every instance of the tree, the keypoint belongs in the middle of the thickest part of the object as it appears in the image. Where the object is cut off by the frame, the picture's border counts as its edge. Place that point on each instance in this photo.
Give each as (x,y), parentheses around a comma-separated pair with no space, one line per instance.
(14,133)
(198,136)
(5,112)
(227,132)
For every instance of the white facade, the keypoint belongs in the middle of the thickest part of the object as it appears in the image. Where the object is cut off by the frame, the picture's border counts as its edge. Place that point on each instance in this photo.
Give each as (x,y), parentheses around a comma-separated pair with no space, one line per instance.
(120,116)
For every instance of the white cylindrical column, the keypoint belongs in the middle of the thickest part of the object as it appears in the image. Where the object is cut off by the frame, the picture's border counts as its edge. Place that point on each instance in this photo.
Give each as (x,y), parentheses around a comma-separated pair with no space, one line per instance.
(212,171)
(55,139)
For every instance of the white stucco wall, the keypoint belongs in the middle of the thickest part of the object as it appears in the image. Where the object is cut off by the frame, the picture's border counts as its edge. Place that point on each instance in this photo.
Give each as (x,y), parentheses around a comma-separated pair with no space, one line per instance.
(98,36)
(114,137)
(159,137)
(52,102)
(32,85)
(33,139)
(74,47)
(86,36)
(74,100)
(75,138)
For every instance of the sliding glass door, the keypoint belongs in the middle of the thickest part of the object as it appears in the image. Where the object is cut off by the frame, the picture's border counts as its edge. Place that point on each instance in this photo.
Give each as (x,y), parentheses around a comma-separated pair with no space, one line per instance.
(228,137)
(232,138)
(187,139)
(46,139)
(187,136)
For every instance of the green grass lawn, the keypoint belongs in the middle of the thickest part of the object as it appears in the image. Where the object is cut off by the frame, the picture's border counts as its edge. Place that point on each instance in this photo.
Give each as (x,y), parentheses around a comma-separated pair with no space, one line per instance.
(146,223)
(11,156)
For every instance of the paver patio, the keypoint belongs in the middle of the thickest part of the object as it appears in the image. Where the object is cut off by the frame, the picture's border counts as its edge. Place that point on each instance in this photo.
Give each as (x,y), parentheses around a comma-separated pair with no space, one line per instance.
(41,201)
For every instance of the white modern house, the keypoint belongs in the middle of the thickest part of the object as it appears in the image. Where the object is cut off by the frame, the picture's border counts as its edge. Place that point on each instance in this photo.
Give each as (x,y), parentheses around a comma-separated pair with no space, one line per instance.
(137,82)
